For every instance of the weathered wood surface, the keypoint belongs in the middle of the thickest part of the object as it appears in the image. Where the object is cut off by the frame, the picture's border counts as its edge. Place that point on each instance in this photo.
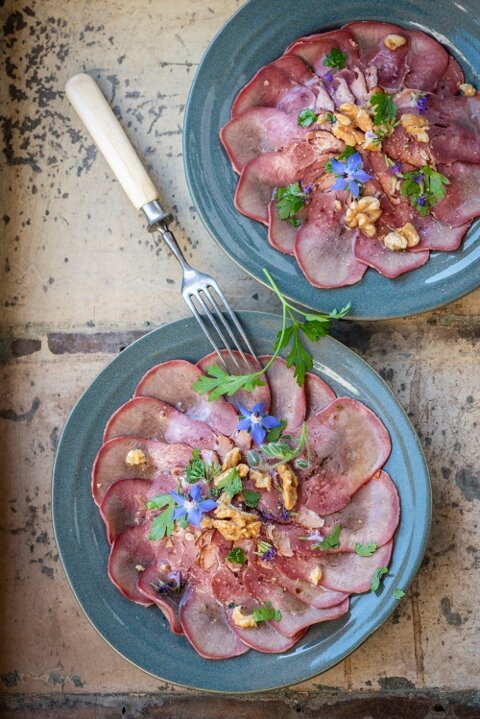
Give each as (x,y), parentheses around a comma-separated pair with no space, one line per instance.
(81,279)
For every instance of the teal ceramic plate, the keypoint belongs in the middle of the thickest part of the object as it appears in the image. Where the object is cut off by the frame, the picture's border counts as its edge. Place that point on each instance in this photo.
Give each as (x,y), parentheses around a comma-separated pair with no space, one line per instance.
(141,634)
(256,35)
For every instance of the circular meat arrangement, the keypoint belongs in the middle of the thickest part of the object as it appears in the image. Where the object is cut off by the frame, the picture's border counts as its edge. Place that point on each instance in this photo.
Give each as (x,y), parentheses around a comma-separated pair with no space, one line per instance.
(358,148)
(244,521)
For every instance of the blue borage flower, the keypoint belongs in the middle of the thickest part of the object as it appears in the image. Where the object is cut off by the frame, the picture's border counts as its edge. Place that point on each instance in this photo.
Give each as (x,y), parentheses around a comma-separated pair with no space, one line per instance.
(257,422)
(422,104)
(191,507)
(266,551)
(350,174)
(395,169)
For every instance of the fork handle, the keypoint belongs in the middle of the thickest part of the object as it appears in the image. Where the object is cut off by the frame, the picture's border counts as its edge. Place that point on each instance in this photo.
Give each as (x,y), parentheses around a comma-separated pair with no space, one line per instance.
(110,138)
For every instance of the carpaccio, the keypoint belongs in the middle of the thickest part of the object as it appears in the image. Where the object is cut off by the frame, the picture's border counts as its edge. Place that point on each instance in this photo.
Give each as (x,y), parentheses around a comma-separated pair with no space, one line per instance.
(437,127)
(190,575)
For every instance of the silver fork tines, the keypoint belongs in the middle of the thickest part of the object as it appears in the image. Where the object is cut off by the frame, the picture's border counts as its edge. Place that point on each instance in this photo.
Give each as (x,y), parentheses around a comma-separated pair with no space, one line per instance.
(200,291)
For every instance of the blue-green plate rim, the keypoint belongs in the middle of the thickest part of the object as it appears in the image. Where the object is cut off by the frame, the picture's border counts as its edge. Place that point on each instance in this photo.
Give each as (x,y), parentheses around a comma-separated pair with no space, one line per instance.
(126,369)
(211,180)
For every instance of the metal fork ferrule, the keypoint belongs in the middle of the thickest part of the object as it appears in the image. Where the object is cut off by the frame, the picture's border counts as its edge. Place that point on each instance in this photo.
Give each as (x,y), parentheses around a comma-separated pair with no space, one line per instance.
(155,215)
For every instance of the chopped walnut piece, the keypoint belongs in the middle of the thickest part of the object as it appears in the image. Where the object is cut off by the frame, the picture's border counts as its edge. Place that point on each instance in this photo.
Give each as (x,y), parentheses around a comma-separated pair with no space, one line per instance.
(289,485)
(363,213)
(243,470)
(135,457)
(233,524)
(348,134)
(315,575)
(232,458)
(358,116)
(393,41)
(261,480)
(415,126)
(402,238)
(245,621)
(467,89)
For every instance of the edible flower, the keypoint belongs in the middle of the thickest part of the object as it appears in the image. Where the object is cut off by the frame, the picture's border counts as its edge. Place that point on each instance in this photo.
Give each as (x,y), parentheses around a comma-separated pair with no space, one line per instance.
(421,103)
(396,168)
(314,537)
(328,77)
(257,422)
(266,551)
(350,174)
(191,507)
(173,583)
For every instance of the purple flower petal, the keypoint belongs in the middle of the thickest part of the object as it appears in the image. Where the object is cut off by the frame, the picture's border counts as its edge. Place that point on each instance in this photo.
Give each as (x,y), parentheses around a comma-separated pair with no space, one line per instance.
(260,407)
(270,422)
(206,505)
(338,167)
(258,433)
(354,162)
(362,176)
(340,184)
(196,492)
(179,498)
(244,423)
(194,517)
(245,412)
(354,188)
(179,512)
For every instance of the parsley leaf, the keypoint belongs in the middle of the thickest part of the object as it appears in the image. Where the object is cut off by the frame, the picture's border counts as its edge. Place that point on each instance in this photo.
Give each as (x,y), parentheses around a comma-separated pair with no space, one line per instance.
(290,200)
(282,451)
(307,117)
(265,612)
(332,541)
(231,484)
(251,498)
(385,108)
(236,555)
(274,434)
(197,469)
(331,118)
(365,550)
(377,578)
(398,593)
(335,58)
(163,524)
(218,382)
(424,188)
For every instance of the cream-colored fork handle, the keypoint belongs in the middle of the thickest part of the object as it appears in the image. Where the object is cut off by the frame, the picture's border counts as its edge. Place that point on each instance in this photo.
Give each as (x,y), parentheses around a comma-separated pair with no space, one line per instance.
(110,138)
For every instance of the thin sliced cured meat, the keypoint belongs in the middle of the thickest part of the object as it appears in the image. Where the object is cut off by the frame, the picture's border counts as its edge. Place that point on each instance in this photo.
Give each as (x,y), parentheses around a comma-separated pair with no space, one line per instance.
(450,81)
(247,399)
(130,553)
(438,236)
(428,61)
(288,398)
(111,462)
(296,615)
(205,624)
(318,394)
(271,87)
(348,444)
(172,382)
(392,65)
(256,131)
(228,590)
(124,504)
(305,591)
(313,49)
(281,234)
(372,516)
(153,419)
(296,69)
(324,249)
(462,201)
(169,604)
(346,572)
(390,264)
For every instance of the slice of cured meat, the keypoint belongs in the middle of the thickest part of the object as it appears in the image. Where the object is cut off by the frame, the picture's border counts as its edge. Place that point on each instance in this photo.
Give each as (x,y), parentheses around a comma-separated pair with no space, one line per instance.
(172,382)
(392,65)
(281,234)
(169,603)
(205,623)
(390,264)
(428,61)
(313,49)
(153,419)
(271,87)
(111,462)
(124,504)
(436,235)
(296,69)
(247,399)
(462,201)
(288,398)
(346,572)
(318,394)
(348,443)
(305,591)
(324,249)
(296,615)
(453,77)
(256,131)
(371,516)
(130,553)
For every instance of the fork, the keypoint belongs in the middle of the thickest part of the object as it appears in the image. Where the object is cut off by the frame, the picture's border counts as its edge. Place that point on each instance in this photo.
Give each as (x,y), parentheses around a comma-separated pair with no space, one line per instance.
(200,291)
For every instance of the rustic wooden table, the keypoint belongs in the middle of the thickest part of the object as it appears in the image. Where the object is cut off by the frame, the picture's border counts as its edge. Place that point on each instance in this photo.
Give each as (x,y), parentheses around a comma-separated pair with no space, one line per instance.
(81,279)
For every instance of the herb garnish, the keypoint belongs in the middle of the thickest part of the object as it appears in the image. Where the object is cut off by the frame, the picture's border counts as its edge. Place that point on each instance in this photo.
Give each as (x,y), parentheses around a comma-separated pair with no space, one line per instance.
(197,469)
(398,593)
(251,498)
(365,550)
(377,578)
(163,524)
(231,484)
(424,188)
(331,118)
(236,555)
(307,117)
(385,117)
(265,612)
(275,433)
(290,200)
(266,551)
(218,382)
(282,451)
(331,541)
(335,58)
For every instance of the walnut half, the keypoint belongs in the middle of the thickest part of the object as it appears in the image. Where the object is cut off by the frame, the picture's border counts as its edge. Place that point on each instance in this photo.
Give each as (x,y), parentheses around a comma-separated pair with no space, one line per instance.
(402,238)
(233,524)
(289,485)
(363,213)
(415,126)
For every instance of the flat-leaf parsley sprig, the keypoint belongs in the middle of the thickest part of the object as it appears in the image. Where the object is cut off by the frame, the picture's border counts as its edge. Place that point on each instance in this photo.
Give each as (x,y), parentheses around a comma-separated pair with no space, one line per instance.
(218,382)
(424,188)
